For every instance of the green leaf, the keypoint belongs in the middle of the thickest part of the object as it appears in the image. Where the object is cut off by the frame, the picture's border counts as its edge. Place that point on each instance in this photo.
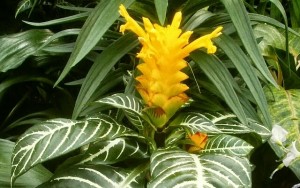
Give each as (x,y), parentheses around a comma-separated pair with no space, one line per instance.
(222,79)
(24,5)
(99,21)
(32,178)
(243,65)
(99,176)
(226,144)
(284,106)
(177,168)
(55,137)
(60,20)
(102,65)
(240,19)
(195,122)
(110,152)
(161,7)
(213,124)
(16,48)
(131,105)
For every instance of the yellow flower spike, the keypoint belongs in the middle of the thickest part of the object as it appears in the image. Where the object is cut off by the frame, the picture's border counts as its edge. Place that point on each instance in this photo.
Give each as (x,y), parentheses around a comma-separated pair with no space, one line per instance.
(162,54)
(199,140)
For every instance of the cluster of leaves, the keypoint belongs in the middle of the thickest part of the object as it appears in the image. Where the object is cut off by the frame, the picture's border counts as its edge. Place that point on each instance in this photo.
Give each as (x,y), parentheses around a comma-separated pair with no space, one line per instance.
(80,121)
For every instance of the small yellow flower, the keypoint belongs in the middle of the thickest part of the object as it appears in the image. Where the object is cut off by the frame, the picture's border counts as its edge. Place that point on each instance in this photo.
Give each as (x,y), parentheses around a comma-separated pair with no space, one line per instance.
(199,140)
(162,54)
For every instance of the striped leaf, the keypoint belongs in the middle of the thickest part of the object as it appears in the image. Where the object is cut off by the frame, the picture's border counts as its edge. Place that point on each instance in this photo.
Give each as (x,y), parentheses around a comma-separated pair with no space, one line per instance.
(227,144)
(284,106)
(131,106)
(177,168)
(209,123)
(55,137)
(98,176)
(110,152)
(16,48)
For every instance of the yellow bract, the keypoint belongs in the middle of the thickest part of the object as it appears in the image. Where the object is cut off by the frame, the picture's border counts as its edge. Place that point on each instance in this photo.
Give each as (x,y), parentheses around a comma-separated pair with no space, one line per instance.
(199,140)
(162,54)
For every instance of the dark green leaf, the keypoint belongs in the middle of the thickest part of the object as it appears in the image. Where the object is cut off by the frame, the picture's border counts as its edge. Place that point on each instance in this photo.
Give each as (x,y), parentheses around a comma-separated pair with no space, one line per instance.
(99,21)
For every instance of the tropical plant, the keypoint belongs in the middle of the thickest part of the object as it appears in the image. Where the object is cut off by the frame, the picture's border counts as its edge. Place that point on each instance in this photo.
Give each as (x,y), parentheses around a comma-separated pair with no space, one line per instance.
(165,95)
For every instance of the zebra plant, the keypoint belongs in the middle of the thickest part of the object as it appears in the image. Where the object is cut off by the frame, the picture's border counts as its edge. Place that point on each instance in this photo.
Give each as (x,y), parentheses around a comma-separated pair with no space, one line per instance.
(156,134)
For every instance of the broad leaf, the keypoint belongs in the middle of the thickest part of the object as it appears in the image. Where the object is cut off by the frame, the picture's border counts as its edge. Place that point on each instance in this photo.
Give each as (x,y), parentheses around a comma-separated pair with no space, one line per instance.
(130,104)
(55,137)
(177,168)
(16,48)
(99,176)
(284,106)
(209,123)
(110,152)
(32,178)
(226,144)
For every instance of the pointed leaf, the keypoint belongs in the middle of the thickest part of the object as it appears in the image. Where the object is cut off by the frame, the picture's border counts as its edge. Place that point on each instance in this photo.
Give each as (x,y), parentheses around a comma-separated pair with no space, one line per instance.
(99,21)
(238,14)
(58,136)
(243,65)
(110,152)
(130,104)
(226,144)
(284,107)
(161,7)
(102,65)
(222,79)
(60,20)
(177,168)
(99,176)
(32,178)
(16,48)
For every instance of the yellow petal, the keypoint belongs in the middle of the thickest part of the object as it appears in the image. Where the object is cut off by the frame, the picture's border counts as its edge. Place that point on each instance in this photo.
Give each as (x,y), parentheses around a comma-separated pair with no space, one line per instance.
(131,24)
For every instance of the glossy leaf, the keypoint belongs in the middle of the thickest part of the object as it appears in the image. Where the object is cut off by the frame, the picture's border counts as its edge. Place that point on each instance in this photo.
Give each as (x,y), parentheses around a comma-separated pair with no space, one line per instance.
(53,138)
(177,168)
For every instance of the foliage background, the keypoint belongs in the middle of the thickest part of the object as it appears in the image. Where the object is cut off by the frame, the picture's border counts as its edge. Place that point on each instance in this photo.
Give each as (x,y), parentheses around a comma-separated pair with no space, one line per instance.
(27,95)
